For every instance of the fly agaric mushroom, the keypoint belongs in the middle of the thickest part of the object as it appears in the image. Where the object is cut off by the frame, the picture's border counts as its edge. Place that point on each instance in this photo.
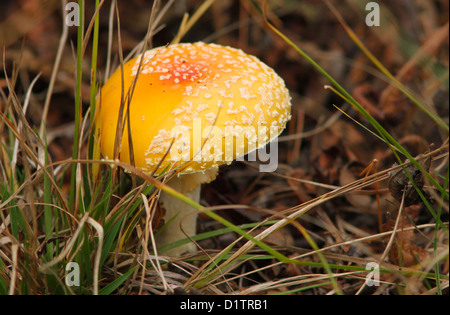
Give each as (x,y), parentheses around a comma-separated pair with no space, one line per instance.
(193,108)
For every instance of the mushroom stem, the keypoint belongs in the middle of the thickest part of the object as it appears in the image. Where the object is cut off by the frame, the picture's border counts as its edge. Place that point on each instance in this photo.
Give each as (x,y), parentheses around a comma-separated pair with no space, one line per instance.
(185,222)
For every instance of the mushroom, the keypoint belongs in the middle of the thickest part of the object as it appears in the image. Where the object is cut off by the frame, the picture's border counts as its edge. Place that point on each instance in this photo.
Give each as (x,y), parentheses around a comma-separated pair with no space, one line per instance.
(193,108)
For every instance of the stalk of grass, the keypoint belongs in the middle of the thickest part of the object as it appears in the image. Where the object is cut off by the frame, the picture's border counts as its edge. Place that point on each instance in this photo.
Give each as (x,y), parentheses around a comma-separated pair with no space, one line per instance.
(435,241)
(3,277)
(94,86)
(48,212)
(82,199)
(112,286)
(62,41)
(76,134)
(319,254)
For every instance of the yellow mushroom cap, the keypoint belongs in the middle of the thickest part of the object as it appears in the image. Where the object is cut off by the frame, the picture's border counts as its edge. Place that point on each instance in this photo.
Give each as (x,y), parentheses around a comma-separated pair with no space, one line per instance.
(204,104)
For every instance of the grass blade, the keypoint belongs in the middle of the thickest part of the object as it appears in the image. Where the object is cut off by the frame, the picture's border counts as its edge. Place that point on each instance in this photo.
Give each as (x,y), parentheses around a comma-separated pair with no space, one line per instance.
(111,287)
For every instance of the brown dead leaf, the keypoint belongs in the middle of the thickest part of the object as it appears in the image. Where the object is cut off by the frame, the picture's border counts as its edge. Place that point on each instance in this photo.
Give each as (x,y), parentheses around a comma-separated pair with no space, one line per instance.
(281,237)
(329,163)
(405,251)
(338,234)
(350,173)
(368,97)
(354,141)
(302,190)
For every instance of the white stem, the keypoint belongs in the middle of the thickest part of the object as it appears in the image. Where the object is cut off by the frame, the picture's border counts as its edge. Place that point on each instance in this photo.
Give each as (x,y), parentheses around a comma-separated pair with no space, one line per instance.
(185,222)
